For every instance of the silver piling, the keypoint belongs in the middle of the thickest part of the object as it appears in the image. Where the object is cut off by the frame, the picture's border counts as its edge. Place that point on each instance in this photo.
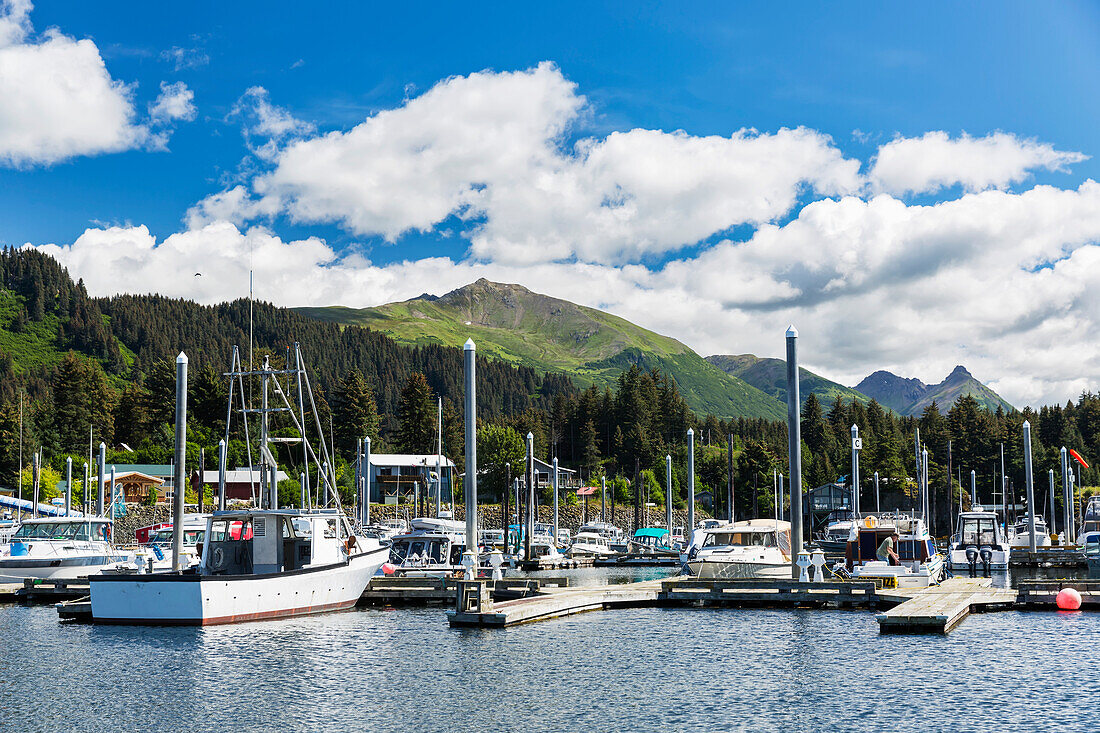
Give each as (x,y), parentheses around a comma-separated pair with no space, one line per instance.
(603,498)
(179,480)
(856,445)
(1065,496)
(470,485)
(668,494)
(529,520)
(68,485)
(365,504)
(101,479)
(221,475)
(555,541)
(794,446)
(689,532)
(878,505)
(1030,486)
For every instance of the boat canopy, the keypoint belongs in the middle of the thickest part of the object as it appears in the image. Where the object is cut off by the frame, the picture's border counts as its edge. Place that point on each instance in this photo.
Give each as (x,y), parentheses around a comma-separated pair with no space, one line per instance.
(651,532)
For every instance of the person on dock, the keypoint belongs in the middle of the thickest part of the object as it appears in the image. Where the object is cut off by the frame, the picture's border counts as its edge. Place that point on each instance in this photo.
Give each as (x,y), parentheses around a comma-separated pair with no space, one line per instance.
(886,552)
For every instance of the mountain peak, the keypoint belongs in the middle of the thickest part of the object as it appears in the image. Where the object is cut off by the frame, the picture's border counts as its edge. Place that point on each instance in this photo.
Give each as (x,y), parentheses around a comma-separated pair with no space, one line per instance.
(959,372)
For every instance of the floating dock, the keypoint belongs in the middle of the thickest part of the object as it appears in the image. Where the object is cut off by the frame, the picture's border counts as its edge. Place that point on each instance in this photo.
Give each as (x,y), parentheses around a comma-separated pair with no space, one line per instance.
(43,591)
(558,562)
(639,560)
(1047,557)
(940,608)
(475,610)
(768,593)
(426,591)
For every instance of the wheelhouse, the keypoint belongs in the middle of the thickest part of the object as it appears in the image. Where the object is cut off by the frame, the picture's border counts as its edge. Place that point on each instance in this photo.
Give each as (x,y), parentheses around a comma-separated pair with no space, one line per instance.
(244,543)
(80,529)
(865,547)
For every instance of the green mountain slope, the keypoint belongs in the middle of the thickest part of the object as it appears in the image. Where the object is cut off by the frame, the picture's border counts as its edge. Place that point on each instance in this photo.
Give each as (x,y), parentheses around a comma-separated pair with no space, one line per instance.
(911,396)
(511,323)
(770,376)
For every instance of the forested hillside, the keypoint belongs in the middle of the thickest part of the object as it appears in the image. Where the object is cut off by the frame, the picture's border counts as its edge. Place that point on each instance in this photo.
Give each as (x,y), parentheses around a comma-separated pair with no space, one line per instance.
(74,364)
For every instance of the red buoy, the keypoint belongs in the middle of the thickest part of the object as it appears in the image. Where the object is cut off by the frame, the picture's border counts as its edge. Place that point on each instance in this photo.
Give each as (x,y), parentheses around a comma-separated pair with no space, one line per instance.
(1068,599)
(387,569)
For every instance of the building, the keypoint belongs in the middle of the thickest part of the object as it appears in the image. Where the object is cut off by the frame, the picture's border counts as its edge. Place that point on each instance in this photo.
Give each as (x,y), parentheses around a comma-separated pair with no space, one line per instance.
(239,483)
(138,481)
(822,501)
(567,477)
(397,477)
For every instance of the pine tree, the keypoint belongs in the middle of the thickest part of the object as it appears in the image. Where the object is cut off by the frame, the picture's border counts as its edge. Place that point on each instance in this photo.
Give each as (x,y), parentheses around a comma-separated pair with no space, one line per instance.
(355,411)
(417,415)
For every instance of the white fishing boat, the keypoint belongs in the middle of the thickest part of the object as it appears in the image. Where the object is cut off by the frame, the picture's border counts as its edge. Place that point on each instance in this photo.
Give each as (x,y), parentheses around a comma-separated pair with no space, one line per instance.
(1021,533)
(258,564)
(755,548)
(919,563)
(57,548)
(590,544)
(978,542)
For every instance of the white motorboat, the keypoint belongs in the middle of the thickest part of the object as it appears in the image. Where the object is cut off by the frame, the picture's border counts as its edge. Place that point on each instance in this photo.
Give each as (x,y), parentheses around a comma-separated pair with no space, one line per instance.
(615,536)
(755,548)
(55,548)
(258,564)
(155,555)
(1089,532)
(590,544)
(920,566)
(1021,533)
(434,547)
(979,542)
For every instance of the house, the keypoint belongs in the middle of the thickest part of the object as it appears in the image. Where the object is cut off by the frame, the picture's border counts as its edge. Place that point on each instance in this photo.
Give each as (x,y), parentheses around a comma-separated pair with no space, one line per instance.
(567,477)
(137,481)
(239,483)
(822,501)
(396,477)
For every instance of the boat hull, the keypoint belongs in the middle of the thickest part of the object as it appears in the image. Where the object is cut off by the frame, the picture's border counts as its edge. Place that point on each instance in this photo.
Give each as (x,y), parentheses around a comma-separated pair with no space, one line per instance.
(958,560)
(206,600)
(18,569)
(737,570)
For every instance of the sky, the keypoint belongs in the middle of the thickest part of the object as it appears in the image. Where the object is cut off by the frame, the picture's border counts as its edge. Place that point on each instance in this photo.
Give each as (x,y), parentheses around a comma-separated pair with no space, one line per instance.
(911,187)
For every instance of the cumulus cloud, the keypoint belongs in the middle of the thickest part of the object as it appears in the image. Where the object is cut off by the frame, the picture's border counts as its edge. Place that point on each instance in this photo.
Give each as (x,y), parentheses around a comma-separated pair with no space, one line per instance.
(1004,283)
(490,149)
(267,126)
(935,161)
(58,99)
(175,102)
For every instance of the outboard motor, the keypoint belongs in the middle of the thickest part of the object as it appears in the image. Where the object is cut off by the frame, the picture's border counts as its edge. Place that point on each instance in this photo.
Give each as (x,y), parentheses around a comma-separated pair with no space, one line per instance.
(972,559)
(986,554)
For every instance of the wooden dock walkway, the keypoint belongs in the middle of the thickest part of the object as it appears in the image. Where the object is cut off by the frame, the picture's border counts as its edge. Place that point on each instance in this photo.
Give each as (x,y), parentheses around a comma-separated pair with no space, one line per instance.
(1047,557)
(426,591)
(767,593)
(1040,594)
(938,609)
(558,603)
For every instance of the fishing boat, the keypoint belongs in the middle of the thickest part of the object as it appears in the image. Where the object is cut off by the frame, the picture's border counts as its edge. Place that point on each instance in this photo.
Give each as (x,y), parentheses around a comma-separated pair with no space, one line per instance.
(56,548)
(255,564)
(590,544)
(755,548)
(1021,533)
(920,564)
(615,536)
(978,542)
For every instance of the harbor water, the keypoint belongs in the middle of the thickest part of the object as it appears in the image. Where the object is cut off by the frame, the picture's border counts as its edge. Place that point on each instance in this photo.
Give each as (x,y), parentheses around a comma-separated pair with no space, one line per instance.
(636,670)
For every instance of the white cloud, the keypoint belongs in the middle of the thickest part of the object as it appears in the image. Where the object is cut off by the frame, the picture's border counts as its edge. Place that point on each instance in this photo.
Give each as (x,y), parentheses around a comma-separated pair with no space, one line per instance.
(185,58)
(488,148)
(1007,284)
(267,126)
(175,102)
(58,99)
(934,161)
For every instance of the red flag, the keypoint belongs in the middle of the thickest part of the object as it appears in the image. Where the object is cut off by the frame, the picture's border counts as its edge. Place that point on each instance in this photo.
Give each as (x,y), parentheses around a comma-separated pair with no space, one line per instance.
(1077,457)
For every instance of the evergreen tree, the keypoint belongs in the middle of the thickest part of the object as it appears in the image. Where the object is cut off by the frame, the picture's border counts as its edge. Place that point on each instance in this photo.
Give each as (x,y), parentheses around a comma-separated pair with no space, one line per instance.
(417,415)
(355,412)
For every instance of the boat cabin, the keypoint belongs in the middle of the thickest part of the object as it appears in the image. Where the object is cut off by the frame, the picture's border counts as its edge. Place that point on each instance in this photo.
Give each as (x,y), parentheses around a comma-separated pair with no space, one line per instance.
(64,528)
(979,529)
(263,542)
(865,547)
(651,538)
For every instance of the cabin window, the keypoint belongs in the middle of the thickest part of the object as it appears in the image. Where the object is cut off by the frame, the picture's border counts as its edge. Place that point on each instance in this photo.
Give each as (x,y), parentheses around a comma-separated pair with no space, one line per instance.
(977,531)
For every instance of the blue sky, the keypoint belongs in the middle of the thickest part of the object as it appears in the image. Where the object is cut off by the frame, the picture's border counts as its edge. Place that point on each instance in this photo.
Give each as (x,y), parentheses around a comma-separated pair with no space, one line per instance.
(857,78)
